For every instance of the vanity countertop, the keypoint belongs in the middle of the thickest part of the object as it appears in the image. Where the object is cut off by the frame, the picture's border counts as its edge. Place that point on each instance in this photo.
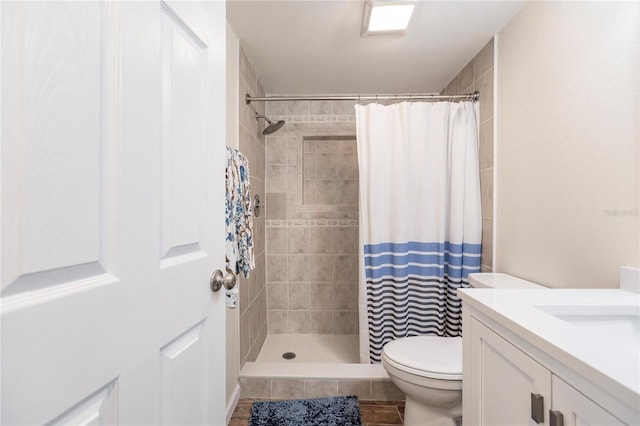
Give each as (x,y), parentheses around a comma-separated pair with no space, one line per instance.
(592,332)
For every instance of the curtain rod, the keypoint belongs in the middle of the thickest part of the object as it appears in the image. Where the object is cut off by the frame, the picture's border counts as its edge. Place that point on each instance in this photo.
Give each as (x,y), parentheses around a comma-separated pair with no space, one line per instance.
(471,96)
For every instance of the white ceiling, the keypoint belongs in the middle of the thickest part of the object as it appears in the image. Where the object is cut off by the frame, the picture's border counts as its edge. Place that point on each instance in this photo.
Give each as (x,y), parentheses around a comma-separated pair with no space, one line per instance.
(315,47)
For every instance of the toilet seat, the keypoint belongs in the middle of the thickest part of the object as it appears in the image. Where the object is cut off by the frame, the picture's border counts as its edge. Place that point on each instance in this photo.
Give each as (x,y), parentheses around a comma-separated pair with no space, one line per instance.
(426,356)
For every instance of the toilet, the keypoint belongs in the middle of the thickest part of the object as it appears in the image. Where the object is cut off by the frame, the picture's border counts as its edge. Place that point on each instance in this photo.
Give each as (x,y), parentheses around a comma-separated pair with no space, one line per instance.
(428,369)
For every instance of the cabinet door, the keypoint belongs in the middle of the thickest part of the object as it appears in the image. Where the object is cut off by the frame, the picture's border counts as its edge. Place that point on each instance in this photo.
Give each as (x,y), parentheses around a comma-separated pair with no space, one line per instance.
(501,382)
(577,409)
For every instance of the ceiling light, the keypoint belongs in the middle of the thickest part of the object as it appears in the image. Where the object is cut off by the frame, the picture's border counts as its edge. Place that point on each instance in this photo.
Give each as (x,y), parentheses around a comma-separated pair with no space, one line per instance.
(386,16)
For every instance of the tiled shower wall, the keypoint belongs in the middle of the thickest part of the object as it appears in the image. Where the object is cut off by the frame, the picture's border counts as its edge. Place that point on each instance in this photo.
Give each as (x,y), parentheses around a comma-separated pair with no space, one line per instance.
(253,299)
(312,219)
(478,75)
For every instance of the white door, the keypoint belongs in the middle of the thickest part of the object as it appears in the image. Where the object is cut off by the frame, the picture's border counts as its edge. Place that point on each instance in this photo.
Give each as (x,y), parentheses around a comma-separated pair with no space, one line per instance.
(112,213)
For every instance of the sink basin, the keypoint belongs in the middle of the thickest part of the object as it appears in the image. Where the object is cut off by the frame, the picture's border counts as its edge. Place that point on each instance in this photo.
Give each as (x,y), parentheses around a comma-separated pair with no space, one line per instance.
(618,322)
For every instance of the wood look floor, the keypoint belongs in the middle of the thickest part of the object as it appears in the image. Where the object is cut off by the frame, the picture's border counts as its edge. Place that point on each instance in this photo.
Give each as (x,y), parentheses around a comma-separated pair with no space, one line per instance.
(374,413)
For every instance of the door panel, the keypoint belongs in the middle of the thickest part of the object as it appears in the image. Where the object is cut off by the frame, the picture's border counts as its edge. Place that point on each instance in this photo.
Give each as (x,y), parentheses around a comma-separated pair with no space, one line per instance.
(184,62)
(183,384)
(112,213)
(53,110)
(577,409)
(505,381)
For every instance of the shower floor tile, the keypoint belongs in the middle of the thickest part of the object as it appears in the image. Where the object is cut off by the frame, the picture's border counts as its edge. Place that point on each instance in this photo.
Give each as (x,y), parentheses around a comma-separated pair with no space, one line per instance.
(333,348)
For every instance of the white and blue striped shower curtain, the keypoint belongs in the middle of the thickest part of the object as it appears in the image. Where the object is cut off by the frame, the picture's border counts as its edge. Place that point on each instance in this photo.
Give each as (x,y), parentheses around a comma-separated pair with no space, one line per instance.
(420,218)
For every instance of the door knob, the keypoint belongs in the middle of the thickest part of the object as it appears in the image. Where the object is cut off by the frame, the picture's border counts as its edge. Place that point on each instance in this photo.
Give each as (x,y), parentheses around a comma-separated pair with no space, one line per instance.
(218,279)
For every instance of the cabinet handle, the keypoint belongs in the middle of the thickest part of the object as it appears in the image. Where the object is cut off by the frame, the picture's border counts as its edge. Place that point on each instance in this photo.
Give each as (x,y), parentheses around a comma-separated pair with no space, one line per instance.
(556,418)
(537,408)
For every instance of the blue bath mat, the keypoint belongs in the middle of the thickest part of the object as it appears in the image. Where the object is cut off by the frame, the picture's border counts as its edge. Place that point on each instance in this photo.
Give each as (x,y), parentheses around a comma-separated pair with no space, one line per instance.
(336,411)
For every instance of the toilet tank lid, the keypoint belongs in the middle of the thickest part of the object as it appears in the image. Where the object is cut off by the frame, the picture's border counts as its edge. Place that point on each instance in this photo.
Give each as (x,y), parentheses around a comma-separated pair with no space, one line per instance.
(498,280)
(430,354)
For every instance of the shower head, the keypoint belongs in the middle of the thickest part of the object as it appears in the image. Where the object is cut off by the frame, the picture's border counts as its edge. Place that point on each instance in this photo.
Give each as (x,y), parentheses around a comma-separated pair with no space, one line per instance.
(272,127)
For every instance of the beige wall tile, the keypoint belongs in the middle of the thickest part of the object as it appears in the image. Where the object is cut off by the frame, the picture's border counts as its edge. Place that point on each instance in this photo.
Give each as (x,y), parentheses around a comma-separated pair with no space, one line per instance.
(486,191)
(255,387)
(487,242)
(278,322)
(321,296)
(309,146)
(310,249)
(243,291)
(293,178)
(326,147)
(484,59)
(299,296)
(309,165)
(276,268)
(452,87)
(300,108)
(465,84)
(276,240)
(348,166)
(287,388)
(277,296)
(344,295)
(298,268)
(485,86)
(276,205)
(294,150)
(276,177)
(245,340)
(326,166)
(243,64)
(320,240)
(321,322)
(345,240)
(247,113)
(252,290)
(276,108)
(320,268)
(343,108)
(260,271)
(320,108)
(309,192)
(344,322)
(327,192)
(298,240)
(276,150)
(348,147)
(320,388)
(345,268)
(349,193)
(299,322)
(385,390)
(359,388)
(486,144)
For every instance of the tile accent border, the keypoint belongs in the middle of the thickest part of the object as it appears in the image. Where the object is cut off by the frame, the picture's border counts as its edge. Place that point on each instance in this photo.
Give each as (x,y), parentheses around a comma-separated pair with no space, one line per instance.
(303,223)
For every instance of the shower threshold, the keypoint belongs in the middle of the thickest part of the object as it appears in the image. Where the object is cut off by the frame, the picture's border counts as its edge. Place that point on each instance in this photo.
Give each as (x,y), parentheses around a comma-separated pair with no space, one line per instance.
(324,365)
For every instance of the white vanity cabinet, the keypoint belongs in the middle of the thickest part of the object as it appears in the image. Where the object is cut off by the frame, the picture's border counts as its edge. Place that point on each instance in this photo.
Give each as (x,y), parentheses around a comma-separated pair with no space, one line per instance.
(577,409)
(507,383)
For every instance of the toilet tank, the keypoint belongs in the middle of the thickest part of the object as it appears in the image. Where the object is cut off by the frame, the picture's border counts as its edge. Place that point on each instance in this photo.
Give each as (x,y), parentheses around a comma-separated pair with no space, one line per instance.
(494,280)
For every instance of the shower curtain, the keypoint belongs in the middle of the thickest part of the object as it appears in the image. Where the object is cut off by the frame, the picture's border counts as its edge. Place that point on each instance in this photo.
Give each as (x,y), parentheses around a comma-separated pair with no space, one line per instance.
(420,218)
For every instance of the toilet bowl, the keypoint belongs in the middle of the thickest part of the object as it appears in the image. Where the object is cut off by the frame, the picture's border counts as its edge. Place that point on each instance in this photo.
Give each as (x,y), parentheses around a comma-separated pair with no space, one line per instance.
(428,369)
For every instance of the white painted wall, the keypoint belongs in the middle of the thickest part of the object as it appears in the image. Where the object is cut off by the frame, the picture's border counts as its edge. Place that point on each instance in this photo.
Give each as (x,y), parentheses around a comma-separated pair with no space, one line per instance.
(233,327)
(568,143)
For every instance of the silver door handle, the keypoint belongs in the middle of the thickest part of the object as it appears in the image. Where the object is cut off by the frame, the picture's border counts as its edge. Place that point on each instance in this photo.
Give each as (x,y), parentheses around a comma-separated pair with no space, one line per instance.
(218,279)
